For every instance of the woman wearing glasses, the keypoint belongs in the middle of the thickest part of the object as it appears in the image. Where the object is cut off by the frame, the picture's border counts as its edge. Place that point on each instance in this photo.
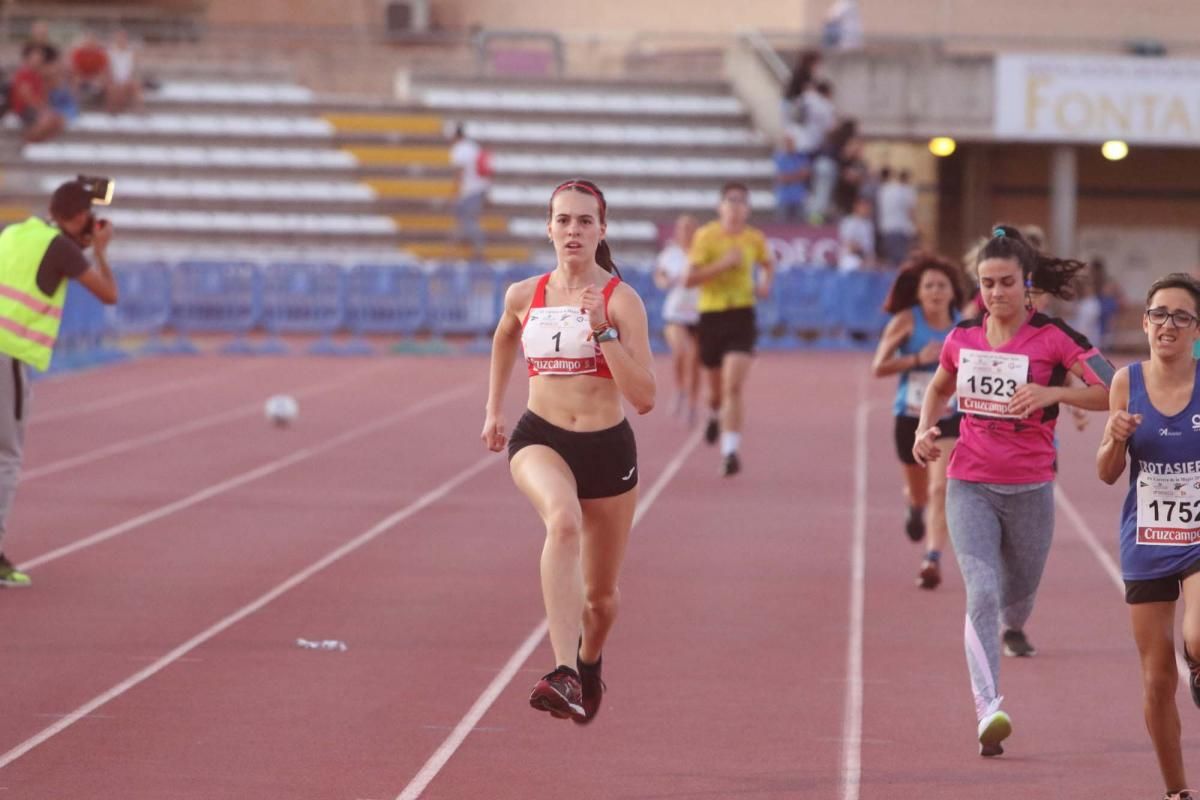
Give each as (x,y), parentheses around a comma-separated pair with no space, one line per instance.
(1009,371)
(1155,416)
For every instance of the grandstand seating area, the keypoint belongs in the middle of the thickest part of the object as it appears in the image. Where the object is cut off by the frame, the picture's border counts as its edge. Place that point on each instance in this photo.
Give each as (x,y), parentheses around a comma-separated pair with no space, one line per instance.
(274,165)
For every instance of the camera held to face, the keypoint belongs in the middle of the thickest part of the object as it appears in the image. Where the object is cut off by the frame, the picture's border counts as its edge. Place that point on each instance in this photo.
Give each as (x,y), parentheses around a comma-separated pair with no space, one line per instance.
(100,190)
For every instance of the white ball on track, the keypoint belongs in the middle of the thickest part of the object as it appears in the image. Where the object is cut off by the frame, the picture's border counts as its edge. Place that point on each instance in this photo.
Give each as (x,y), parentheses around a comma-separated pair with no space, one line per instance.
(281,410)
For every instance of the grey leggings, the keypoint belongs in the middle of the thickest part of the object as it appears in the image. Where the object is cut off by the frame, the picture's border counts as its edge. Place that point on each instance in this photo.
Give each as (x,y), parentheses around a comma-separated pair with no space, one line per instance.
(1001,535)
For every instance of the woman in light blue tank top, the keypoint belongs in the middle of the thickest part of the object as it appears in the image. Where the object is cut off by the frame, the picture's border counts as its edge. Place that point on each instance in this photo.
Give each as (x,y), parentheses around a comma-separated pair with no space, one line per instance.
(1155,417)
(924,301)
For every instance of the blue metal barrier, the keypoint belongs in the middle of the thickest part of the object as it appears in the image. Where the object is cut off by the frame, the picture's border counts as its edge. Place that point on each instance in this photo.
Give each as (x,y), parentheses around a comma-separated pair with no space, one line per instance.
(862,316)
(216,297)
(83,333)
(808,308)
(808,305)
(385,298)
(143,303)
(464,300)
(303,298)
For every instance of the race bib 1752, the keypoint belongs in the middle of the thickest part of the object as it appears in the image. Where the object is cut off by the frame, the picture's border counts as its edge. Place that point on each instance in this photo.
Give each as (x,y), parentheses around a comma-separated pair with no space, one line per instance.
(1168,510)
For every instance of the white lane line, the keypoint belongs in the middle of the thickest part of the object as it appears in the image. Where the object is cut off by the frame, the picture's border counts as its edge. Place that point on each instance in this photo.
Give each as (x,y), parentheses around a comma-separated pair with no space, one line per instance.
(1092,540)
(166,434)
(852,718)
(113,400)
(494,689)
(426,500)
(246,477)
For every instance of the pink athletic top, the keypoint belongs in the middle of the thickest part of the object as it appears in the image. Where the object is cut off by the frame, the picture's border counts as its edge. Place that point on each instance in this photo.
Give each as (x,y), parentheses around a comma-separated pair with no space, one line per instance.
(1003,450)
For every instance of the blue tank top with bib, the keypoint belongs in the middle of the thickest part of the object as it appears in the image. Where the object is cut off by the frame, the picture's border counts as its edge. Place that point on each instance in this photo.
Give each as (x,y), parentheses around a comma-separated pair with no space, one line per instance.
(910,392)
(1160,520)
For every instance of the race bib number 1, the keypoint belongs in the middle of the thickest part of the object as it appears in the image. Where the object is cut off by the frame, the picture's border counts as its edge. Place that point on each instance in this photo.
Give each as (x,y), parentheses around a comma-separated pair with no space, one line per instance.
(987,381)
(1168,510)
(557,341)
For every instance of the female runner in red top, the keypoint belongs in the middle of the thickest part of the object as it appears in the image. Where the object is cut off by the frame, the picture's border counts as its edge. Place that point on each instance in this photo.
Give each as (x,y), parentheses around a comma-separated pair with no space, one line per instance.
(572,453)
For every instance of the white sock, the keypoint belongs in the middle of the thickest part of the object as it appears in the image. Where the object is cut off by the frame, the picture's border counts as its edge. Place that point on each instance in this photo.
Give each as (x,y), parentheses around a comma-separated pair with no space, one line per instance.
(729,442)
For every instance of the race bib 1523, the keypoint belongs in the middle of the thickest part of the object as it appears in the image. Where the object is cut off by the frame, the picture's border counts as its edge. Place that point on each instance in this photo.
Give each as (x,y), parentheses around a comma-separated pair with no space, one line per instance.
(987,381)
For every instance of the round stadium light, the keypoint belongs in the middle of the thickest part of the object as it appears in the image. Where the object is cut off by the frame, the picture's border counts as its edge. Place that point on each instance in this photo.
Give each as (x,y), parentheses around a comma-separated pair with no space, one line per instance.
(942,146)
(1114,150)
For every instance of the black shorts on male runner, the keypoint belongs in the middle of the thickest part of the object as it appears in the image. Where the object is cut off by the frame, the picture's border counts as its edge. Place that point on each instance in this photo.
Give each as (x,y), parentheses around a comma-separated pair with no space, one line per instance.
(1159,590)
(721,332)
(603,462)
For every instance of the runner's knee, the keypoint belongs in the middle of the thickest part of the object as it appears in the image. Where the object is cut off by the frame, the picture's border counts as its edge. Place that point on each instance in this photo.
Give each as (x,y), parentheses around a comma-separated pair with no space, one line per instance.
(564,526)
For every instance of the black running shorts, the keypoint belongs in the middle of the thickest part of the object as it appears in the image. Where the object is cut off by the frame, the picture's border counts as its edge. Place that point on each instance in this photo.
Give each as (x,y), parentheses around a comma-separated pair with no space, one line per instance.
(1159,590)
(604,462)
(722,332)
(906,435)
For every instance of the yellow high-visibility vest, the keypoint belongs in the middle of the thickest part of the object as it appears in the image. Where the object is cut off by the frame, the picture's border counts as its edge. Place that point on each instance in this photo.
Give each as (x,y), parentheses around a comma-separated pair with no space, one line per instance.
(29,318)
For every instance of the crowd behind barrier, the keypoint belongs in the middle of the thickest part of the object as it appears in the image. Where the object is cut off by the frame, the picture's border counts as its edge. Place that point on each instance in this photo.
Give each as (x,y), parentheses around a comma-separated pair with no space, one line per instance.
(420,308)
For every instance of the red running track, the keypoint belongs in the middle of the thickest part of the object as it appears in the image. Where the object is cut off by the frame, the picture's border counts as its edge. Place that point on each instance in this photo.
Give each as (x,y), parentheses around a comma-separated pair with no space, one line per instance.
(772,643)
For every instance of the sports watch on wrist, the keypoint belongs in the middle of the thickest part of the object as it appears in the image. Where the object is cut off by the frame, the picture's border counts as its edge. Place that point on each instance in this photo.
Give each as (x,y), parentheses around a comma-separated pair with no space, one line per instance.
(609,334)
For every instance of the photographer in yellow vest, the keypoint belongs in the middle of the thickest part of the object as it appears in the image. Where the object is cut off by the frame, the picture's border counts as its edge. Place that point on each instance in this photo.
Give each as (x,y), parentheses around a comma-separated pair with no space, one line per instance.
(36,260)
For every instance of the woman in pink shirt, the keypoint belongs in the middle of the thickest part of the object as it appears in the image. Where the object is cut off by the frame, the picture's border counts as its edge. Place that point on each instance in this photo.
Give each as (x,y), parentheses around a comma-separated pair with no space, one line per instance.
(1009,369)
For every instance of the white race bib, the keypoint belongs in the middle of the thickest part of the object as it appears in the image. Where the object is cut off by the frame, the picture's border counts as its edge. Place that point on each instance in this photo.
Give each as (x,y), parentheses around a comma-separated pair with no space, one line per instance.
(557,341)
(914,394)
(987,381)
(1168,510)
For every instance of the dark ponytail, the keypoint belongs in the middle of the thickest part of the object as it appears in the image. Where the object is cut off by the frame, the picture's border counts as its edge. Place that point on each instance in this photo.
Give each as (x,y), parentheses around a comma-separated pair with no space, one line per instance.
(603,252)
(604,258)
(1052,275)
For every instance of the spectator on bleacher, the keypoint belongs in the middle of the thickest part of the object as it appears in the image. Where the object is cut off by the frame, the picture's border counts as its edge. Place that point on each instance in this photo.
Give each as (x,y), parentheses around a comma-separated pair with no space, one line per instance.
(854,177)
(39,37)
(471,189)
(89,69)
(819,118)
(64,97)
(803,75)
(792,172)
(826,169)
(29,97)
(681,317)
(36,261)
(897,216)
(856,235)
(843,26)
(124,90)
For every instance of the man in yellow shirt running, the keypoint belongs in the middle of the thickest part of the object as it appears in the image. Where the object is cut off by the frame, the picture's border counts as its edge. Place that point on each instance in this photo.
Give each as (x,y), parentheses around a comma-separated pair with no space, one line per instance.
(721,262)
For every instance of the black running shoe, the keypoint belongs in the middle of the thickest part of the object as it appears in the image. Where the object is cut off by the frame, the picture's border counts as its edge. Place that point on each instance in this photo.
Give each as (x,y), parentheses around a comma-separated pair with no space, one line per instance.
(593,689)
(914,525)
(712,430)
(559,693)
(930,576)
(1017,645)
(1194,677)
(730,465)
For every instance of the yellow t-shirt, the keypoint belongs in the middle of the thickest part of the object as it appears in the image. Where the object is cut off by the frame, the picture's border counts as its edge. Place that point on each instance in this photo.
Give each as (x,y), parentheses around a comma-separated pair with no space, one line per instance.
(733,288)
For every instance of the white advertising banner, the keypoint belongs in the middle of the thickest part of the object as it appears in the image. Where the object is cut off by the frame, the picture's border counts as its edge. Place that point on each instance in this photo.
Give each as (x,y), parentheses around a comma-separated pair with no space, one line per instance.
(1097,98)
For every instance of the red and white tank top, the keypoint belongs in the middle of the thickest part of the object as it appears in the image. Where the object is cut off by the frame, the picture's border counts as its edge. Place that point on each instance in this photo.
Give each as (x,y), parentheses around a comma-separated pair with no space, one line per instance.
(558,339)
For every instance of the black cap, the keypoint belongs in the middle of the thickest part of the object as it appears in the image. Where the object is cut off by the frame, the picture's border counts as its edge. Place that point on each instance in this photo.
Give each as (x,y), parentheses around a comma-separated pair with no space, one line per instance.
(70,199)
